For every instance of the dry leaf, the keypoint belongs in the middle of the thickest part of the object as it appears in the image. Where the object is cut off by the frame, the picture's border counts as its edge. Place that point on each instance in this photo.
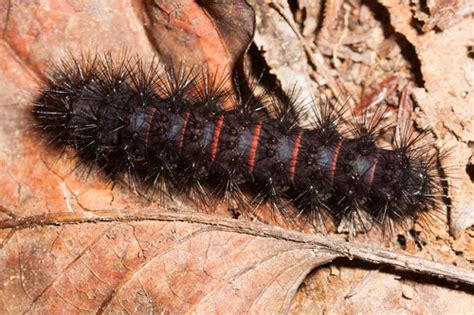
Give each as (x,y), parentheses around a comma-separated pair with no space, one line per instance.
(444,13)
(361,290)
(364,58)
(132,263)
(447,102)
(215,33)
(75,245)
(120,265)
(287,60)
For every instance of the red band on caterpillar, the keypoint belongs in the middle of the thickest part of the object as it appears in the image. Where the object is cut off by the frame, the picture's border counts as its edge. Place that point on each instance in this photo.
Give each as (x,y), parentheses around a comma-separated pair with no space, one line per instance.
(294,158)
(254,145)
(215,141)
(335,155)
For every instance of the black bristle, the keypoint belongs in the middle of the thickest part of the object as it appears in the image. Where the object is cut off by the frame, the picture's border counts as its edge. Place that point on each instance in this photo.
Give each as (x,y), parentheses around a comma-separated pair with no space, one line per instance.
(148,123)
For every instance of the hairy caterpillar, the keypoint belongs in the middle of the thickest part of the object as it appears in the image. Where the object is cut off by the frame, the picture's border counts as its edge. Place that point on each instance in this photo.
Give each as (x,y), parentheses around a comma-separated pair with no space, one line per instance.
(128,119)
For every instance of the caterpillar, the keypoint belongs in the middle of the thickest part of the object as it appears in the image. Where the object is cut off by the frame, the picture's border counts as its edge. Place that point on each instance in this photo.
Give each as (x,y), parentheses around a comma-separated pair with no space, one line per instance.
(132,119)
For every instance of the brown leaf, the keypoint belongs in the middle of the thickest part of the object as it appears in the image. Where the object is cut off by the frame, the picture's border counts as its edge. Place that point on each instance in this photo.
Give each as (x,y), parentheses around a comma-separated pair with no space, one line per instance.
(41,31)
(447,102)
(139,264)
(310,10)
(331,14)
(289,56)
(376,95)
(361,63)
(123,264)
(168,261)
(213,34)
(288,65)
(444,13)
(36,35)
(353,290)
(71,245)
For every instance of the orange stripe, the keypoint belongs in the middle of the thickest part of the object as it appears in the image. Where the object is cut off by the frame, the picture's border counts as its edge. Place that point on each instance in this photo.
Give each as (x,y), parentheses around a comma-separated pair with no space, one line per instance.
(372,171)
(183,130)
(217,133)
(294,157)
(253,149)
(334,161)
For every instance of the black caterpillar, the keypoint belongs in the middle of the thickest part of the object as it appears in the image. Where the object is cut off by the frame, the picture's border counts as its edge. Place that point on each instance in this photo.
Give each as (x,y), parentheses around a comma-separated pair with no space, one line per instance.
(128,119)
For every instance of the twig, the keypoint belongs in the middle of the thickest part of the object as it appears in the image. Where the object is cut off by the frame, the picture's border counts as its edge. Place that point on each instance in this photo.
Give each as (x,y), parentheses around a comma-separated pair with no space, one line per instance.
(315,57)
(329,244)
